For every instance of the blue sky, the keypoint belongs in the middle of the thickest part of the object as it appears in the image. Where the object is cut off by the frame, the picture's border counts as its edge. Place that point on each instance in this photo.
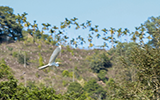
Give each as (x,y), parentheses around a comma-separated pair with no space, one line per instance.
(105,13)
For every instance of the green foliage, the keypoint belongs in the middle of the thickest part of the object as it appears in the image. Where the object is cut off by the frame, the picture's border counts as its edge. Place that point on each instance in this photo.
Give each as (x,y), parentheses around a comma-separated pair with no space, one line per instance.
(46,70)
(65,83)
(39,46)
(37,75)
(146,62)
(11,90)
(14,54)
(47,42)
(53,42)
(21,57)
(29,40)
(40,60)
(21,77)
(10,48)
(44,37)
(72,53)
(70,74)
(68,48)
(5,71)
(75,87)
(99,61)
(62,51)
(124,49)
(58,60)
(2,61)
(102,75)
(153,28)
(8,89)
(10,24)
(65,73)
(94,90)
(33,61)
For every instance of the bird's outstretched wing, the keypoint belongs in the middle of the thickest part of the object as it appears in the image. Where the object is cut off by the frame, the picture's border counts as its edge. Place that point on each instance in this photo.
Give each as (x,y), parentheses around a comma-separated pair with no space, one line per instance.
(54,55)
(43,66)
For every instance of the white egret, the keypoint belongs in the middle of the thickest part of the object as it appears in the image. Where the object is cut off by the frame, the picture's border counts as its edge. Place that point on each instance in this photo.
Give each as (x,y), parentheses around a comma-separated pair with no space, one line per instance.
(53,58)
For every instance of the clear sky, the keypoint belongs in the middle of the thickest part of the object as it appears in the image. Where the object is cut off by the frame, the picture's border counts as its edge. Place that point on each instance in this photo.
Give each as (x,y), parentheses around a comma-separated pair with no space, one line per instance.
(105,13)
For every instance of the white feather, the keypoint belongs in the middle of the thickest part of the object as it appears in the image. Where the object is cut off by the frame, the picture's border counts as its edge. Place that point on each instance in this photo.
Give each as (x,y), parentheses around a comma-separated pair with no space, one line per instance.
(53,58)
(43,66)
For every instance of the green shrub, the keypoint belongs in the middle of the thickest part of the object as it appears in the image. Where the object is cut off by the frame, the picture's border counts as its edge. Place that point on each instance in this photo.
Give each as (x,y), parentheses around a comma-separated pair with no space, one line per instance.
(58,60)
(14,54)
(62,51)
(72,53)
(64,83)
(10,90)
(5,71)
(40,60)
(65,73)
(102,75)
(37,75)
(68,48)
(31,84)
(2,61)
(25,43)
(75,87)
(21,77)
(46,70)
(39,46)
(10,48)
(70,74)
(20,58)
(47,42)
(53,42)
(99,61)
(94,90)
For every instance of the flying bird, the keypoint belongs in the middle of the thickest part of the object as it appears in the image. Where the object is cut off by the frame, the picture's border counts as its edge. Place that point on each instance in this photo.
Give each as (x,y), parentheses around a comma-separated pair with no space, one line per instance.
(53,58)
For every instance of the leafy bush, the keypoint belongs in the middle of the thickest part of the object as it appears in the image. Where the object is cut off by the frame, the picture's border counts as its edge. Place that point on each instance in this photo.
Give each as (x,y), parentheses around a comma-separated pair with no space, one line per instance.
(65,83)
(20,58)
(102,75)
(40,60)
(10,90)
(14,54)
(99,61)
(47,42)
(62,51)
(39,46)
(10,48)
(65,73)
(5,71)
(94,90)
(68,48)
(53,42)
(75,87)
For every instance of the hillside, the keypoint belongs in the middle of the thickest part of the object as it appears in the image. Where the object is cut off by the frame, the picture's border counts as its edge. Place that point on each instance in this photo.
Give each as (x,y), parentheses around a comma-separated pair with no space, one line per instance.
(71,59)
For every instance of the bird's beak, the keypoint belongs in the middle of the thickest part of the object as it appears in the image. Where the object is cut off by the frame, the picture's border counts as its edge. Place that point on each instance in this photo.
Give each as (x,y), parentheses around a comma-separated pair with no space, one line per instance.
(59,63)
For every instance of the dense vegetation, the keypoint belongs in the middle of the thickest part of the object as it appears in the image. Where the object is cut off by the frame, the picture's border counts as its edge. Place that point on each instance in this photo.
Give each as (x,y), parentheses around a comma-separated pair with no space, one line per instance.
(128,70)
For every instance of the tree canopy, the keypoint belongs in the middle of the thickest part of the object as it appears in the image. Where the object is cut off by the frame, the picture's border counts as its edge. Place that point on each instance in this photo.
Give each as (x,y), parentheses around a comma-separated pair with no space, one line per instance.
(9,24)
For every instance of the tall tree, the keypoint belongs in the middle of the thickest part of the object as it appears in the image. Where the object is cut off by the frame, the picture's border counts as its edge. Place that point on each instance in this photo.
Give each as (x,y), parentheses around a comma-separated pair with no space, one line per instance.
(9,25)
(153,28)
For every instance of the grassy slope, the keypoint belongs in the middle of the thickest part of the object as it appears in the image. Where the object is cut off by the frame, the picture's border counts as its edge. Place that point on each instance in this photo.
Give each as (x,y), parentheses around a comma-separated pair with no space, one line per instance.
(49,77)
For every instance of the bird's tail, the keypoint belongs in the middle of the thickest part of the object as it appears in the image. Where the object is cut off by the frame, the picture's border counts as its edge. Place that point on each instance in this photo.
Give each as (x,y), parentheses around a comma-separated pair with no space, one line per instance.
(43,66)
